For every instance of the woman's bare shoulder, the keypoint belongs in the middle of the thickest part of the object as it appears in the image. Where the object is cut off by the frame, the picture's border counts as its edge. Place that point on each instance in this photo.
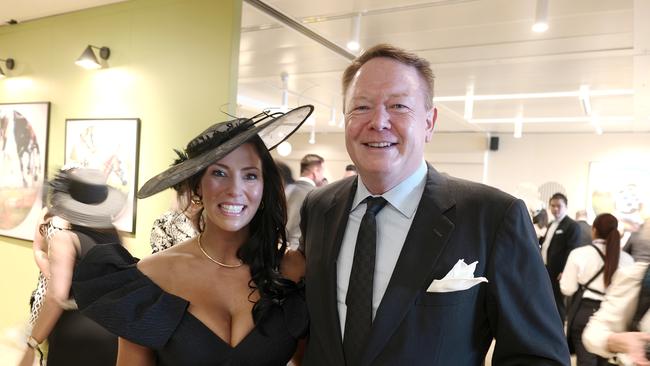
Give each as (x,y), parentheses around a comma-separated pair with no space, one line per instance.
(169,264)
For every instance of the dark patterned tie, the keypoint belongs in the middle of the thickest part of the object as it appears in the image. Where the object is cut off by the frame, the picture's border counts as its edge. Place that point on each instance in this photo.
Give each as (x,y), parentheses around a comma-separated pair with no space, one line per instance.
(358,320)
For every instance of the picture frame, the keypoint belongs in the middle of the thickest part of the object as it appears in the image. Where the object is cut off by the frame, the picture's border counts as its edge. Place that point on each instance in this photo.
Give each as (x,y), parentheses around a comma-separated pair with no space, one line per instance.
(619,188)
(24,129)
(112,146)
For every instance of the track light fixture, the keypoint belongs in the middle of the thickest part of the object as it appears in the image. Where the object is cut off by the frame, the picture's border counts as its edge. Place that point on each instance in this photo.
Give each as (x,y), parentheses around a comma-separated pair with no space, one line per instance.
(353,44)
(88,60)
(541,16)
(9,64)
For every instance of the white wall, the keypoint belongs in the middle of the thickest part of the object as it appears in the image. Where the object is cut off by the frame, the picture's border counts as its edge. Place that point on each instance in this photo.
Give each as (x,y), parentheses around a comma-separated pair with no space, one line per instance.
(564,158)
(459,154)
(518,167)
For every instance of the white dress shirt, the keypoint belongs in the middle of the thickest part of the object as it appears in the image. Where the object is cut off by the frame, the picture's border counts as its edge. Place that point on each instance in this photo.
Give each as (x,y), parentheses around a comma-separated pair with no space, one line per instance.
(393,224)
(582,264)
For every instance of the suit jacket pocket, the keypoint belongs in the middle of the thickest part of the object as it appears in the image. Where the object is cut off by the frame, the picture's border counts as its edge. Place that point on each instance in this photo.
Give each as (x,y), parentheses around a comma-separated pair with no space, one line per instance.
(447,298)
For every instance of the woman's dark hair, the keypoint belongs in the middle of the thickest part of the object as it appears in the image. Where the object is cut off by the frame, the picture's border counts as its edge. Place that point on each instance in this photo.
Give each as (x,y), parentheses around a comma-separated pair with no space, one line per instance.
(265,248)
(606,227)
(285,173)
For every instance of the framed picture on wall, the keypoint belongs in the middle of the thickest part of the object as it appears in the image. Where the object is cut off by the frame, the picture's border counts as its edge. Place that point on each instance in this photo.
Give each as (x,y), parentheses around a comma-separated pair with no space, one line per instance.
(110,145)
(23,150)
(620,188)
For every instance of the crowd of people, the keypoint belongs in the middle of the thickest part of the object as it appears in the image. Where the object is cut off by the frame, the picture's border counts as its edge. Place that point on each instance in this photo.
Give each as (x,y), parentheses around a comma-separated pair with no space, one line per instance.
(393,264)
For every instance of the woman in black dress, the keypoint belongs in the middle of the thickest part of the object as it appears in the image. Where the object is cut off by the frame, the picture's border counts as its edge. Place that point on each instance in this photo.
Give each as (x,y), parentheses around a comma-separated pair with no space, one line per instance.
(219,298)
(81,197)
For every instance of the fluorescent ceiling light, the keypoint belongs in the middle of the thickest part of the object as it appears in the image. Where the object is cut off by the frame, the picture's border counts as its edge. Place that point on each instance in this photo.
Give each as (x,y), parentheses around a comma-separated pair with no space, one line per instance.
(518,127)
(595,121)
(541,16)
(469,103)
(332,121)
(584,100)
(355,32)
(312,135)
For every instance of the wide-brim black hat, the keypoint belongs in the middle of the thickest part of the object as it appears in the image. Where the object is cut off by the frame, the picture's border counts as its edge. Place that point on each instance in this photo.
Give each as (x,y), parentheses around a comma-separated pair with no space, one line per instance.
(222,138)
(82,197)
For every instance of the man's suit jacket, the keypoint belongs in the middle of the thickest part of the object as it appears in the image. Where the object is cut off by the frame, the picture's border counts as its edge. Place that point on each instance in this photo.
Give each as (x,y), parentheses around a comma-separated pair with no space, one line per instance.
(295,199)
(639,243)
(565,238)
(455,219)
(585,233)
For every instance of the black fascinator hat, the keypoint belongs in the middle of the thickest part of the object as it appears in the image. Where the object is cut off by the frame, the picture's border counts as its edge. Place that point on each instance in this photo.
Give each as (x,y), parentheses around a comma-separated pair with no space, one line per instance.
(222,138)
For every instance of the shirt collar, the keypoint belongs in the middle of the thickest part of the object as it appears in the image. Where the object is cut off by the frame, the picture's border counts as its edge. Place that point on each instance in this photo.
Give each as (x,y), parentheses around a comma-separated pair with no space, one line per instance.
(405,196)
(305,179)
(560,219)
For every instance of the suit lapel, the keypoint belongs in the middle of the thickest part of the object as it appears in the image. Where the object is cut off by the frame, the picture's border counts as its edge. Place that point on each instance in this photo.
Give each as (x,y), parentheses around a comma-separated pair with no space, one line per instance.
(335,221)
(424,243)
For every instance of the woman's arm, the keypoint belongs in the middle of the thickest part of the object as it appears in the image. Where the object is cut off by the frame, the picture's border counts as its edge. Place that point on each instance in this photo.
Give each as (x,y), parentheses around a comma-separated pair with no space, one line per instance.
(39,246)
(129,353)
(615,313)
(569,279)
(62,259)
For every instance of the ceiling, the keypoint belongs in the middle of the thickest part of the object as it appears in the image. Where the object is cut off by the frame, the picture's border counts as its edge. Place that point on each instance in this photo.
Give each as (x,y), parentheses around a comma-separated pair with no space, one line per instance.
(484,45)
(484,48)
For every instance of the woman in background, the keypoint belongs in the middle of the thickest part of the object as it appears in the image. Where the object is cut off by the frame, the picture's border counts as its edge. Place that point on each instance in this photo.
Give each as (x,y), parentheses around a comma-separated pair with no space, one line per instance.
(176,225)
(81,197)
(47,226)
(590,269)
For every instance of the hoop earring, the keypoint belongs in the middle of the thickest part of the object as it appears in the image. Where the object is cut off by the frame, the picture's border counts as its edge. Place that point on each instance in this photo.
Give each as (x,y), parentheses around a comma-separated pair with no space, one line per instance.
(196,200)
(262,205)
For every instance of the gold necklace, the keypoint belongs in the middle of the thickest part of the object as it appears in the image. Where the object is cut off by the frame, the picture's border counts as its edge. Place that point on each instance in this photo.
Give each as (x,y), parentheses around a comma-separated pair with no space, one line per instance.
(216,261)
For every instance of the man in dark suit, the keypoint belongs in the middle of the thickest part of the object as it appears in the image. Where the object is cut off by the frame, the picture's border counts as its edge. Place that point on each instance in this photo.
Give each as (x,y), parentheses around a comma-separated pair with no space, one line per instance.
(562,236)
(311,174)
(425,223)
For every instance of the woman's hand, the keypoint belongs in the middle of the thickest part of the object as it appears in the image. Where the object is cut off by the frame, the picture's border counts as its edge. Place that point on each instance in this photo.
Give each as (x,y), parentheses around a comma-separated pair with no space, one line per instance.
(28,357)
(632,344)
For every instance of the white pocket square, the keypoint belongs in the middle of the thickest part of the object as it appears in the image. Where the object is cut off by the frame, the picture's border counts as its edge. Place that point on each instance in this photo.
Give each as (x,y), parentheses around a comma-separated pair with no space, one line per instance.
(461,277)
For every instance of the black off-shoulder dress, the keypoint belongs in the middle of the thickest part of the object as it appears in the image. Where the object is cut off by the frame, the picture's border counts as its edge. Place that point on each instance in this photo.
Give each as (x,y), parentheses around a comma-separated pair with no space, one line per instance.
(111,290)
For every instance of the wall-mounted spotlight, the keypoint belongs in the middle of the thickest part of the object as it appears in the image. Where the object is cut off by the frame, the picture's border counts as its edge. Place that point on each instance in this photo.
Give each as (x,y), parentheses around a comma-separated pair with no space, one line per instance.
(541,16)
(355,31)
(88,60)
(9,64)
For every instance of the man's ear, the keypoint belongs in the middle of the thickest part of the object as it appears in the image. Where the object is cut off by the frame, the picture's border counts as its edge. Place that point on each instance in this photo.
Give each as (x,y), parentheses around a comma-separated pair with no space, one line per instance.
(432,115)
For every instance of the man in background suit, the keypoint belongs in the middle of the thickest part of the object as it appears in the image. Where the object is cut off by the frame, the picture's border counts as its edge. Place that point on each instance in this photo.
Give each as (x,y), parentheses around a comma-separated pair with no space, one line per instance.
(311,175)
(585,228)
(426,224)
(562,236)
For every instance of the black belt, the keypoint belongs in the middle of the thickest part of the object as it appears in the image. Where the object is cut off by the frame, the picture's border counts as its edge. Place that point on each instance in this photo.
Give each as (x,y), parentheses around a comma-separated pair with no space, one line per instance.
(590,301)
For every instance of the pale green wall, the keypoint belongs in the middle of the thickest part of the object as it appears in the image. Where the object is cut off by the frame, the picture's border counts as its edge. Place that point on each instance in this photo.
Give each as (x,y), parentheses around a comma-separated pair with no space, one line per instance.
(173,64)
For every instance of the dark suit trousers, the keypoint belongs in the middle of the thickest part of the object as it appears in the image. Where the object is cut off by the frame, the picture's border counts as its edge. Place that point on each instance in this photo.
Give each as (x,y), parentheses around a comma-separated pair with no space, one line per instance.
(560,299)
(587,308)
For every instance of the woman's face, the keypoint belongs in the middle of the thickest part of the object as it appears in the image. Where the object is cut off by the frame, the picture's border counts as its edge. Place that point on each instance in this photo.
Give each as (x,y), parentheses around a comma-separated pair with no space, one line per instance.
(232,189)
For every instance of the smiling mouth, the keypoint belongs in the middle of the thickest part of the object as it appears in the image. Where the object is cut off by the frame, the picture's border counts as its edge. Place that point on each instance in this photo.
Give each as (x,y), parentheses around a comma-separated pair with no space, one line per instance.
(379,145)
(231,209)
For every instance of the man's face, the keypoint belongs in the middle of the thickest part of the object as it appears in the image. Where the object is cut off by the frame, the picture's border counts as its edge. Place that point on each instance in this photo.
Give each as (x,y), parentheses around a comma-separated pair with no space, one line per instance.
(558,208)
(386,121)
